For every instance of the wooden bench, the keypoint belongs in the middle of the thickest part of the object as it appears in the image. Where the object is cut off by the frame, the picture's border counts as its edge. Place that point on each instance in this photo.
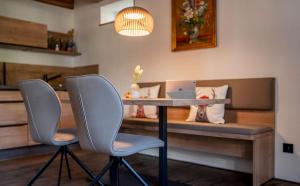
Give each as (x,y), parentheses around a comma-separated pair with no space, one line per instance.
(248,132)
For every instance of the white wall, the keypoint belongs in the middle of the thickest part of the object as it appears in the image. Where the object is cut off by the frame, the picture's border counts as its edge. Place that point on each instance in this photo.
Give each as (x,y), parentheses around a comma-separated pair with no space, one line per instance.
(58,19)
(255,39)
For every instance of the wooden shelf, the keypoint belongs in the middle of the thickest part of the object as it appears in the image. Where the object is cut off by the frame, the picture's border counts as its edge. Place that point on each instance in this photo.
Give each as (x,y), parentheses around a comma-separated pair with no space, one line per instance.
(41,50)
(62,3)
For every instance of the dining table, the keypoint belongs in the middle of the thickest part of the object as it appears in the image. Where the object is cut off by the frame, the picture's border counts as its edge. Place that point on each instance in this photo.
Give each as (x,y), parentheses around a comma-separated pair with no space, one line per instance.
(163,104)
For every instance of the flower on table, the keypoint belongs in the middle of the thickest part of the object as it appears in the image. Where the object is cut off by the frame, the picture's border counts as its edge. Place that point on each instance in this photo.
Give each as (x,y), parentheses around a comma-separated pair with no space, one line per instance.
(138,71)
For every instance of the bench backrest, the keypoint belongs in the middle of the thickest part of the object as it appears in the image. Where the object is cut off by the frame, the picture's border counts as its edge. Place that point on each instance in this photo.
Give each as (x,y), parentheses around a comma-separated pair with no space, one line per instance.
(252,100)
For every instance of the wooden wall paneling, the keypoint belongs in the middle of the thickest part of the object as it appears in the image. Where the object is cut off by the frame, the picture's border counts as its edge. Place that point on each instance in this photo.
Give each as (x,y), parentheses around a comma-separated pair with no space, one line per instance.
(90,69)
(249,117)
(11,137)
(19,32)
(178,113)
(62,3)
(17,72)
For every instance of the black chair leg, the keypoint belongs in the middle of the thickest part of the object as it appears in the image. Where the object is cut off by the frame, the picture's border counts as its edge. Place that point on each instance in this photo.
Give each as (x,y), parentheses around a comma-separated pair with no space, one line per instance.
(102,172)
(114,165)
(86,170)
(62,152)
(45,167)
(67,163)
(133,172)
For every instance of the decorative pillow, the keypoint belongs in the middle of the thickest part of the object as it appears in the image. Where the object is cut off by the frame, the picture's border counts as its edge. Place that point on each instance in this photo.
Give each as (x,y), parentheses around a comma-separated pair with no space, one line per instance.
(209,113)
(143,111)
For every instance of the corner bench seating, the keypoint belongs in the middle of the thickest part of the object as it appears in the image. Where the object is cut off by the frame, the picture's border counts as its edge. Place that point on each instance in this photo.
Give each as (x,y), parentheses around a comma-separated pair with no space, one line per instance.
(248,132)
(228,128)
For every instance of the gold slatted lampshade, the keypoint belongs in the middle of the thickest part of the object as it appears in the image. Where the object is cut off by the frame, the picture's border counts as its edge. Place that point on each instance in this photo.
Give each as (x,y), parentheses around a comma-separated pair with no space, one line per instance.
(134,21)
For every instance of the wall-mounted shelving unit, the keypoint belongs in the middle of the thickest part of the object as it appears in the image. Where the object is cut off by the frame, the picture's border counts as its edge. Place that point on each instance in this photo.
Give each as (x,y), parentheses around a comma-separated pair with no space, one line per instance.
(23,35)
(41,50)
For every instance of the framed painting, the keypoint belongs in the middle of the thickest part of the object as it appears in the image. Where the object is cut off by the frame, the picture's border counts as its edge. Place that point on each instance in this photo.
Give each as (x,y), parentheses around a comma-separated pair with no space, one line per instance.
(193,24)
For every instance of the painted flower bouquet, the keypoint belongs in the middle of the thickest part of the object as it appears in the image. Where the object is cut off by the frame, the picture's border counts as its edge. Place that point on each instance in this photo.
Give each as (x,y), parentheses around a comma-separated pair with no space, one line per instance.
(193,17)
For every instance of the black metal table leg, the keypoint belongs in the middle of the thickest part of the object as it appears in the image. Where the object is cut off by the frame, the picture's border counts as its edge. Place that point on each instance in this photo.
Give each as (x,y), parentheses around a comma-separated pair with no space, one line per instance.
(163,151)
(114,172)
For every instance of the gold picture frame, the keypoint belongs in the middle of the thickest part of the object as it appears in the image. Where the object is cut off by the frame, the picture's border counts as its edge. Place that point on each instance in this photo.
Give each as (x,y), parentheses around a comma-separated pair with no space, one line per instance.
(194,24)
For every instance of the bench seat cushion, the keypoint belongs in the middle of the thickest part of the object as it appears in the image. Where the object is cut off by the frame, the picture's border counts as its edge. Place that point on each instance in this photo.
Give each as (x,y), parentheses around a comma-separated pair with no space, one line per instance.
(231,128)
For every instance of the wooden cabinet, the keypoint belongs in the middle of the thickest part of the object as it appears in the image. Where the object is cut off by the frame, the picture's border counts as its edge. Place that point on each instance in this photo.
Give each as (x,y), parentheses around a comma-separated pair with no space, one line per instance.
(24,33)
(30,141)
(12,109)
(67,117)
(13,122)
(14,136)
(62,3)
(14,130)
(12,114)
(10,96)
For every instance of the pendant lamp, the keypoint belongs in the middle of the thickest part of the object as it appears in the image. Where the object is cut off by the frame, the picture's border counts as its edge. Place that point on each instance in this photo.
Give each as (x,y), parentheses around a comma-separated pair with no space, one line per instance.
(134,21)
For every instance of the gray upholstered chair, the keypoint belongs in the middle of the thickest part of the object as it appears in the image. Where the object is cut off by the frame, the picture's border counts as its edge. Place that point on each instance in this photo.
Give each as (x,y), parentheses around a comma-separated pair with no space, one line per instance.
(44,112)
(98,111)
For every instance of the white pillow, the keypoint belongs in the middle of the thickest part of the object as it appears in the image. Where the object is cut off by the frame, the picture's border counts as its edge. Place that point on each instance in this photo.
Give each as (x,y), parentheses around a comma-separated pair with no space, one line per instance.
(149,111)
(210,113)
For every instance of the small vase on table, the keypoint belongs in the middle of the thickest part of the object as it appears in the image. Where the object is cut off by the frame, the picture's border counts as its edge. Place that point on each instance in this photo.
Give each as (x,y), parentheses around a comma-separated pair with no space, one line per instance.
(134,90)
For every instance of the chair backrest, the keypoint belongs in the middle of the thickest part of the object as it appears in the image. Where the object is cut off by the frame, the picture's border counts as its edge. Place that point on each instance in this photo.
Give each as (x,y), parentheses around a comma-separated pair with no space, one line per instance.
(43,110)
(98,111)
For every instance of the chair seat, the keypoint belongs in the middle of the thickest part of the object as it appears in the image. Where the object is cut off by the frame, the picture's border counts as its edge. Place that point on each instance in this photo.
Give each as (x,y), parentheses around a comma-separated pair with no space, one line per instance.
(128,144)
(65,137)
(231,128)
